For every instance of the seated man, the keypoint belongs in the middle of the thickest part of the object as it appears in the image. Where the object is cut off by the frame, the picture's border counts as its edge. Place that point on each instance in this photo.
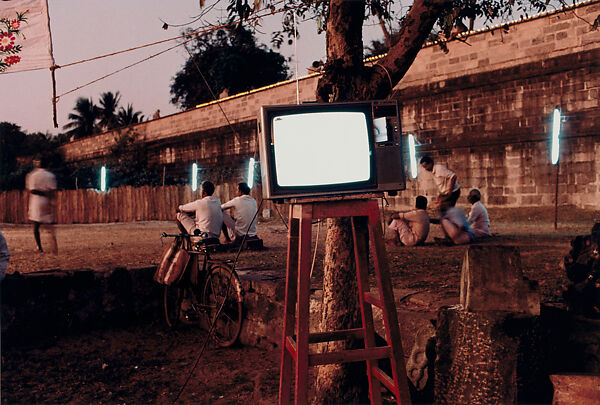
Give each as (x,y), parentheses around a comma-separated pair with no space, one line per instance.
(243,222)
(411,228)
(455,225)
(478,216)
(208,215)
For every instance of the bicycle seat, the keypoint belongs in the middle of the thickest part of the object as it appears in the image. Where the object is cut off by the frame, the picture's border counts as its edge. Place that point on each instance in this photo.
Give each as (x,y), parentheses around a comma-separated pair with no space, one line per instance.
(207,244)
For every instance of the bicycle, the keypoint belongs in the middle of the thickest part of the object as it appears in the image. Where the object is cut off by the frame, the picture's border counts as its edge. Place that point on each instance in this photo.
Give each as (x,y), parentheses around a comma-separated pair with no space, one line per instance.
(208,293)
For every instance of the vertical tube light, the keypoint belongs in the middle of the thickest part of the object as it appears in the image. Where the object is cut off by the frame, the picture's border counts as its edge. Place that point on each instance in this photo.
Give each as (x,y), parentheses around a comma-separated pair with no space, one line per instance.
(413,156)
(251,172)
(194,177)
(103,178)
(555,135)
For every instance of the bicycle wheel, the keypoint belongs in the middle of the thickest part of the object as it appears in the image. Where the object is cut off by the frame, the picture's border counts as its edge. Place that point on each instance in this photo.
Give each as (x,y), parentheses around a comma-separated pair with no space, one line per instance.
(172,298)
(222,299)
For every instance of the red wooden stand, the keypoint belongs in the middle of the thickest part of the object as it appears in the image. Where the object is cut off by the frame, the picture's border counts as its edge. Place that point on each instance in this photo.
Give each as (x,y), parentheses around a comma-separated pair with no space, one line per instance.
(296,336)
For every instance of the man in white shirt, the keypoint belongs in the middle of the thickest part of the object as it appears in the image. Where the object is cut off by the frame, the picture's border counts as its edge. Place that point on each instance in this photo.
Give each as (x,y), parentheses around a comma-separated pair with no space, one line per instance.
(478,216)
(445,180)
(411,228)
(42,186)
(208,214)
(243,221)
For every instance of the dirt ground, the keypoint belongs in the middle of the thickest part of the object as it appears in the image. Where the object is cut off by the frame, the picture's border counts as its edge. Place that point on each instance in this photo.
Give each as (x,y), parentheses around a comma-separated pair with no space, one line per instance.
(150,363)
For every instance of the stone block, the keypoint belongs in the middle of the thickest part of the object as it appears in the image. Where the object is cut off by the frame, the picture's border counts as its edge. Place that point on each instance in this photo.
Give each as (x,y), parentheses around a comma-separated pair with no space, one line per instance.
(492,280)
(489,357)
(575,389)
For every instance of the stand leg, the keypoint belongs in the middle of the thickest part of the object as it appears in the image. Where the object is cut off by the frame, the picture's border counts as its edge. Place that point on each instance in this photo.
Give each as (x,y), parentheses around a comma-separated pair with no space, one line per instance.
(302,330)
(361,256)
(390,317)
(289,317)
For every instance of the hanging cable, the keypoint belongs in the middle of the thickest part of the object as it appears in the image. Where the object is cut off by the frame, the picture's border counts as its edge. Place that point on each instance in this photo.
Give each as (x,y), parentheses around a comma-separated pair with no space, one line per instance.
(296,57)
(312,266)
(119,70)
(214,96)
(189,34)
(281,216)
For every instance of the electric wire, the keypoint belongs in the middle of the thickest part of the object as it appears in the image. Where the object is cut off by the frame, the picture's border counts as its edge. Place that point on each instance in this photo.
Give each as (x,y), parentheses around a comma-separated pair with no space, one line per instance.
(312,266)
(281,216)
(214,96)
(195,33)
(204,344)
(214,321)
(57,98)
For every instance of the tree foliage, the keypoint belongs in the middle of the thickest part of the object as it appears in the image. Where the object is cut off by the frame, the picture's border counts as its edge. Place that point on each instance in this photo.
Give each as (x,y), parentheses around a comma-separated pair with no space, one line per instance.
(17,149)
(83,119)
(226,60)
(107,111)
(88,118)
(127,116)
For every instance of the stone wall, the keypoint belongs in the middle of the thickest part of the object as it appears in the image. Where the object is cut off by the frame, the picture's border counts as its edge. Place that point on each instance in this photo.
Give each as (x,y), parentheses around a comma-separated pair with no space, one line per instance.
(483,109)
(58,303)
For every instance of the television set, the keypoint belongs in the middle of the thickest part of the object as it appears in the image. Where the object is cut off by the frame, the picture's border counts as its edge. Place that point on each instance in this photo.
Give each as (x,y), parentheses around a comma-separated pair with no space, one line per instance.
(311,150)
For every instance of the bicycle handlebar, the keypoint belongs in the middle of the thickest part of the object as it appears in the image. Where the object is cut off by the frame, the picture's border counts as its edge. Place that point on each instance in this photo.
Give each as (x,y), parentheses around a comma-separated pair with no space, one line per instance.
(174,235)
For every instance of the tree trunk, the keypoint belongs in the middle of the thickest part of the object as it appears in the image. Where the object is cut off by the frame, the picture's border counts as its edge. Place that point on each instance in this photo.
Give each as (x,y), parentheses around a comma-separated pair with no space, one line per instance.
(340,383)
(346,78)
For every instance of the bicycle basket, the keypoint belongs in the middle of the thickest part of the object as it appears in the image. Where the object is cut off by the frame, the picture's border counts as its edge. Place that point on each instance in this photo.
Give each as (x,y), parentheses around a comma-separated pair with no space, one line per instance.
(172,265)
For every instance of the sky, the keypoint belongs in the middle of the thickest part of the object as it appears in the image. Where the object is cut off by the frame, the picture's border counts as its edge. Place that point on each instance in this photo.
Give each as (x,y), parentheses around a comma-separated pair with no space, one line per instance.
(89,28)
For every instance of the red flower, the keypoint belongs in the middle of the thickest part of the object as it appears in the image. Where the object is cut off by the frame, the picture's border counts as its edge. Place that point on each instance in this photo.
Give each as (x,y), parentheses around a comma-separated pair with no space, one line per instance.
(15,24)
(12,60)
(7,41)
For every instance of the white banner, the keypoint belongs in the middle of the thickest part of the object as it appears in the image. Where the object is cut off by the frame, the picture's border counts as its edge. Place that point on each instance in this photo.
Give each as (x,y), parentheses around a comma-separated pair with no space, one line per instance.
(25,42)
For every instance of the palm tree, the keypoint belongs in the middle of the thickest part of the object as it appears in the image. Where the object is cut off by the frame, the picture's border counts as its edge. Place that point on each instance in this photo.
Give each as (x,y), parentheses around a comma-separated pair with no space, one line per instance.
(128,117)
(109,104)
(83,118)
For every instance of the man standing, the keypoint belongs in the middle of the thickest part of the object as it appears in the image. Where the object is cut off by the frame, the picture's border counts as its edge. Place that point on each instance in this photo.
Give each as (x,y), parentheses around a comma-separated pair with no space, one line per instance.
(445,180)
(244,217)
(42,186)
(208,214)
(411,228)
(478,216)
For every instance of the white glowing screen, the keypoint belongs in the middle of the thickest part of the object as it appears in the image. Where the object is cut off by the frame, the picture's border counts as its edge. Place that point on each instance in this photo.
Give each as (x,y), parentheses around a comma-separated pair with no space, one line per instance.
(103,178)
(251,172)
(323,148)
(555,136)
(194,177)
(413,156)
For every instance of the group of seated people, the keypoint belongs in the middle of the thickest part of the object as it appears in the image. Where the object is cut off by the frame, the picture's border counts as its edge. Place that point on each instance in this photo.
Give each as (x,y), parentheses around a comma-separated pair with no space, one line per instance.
(412,228)
(207,217)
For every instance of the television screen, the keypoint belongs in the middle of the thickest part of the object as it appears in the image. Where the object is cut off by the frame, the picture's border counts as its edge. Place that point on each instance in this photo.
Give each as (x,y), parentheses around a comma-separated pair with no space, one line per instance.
(321,148)
(330,149)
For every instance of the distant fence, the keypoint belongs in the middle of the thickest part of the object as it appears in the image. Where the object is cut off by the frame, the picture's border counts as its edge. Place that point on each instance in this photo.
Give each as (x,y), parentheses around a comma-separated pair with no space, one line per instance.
(123,204)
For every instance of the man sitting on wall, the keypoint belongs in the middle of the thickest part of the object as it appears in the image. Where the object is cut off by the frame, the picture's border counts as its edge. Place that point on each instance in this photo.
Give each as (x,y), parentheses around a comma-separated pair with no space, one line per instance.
(478,216)
(243,222)
(410,228)
(208,215)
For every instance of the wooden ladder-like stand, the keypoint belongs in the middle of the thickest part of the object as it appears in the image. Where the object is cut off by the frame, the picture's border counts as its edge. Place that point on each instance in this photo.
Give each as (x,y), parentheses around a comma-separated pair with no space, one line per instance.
(296,336)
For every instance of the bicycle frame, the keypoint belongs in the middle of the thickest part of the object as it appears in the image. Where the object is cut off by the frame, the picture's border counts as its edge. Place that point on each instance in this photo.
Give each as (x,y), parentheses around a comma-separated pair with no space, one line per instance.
(211,290)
